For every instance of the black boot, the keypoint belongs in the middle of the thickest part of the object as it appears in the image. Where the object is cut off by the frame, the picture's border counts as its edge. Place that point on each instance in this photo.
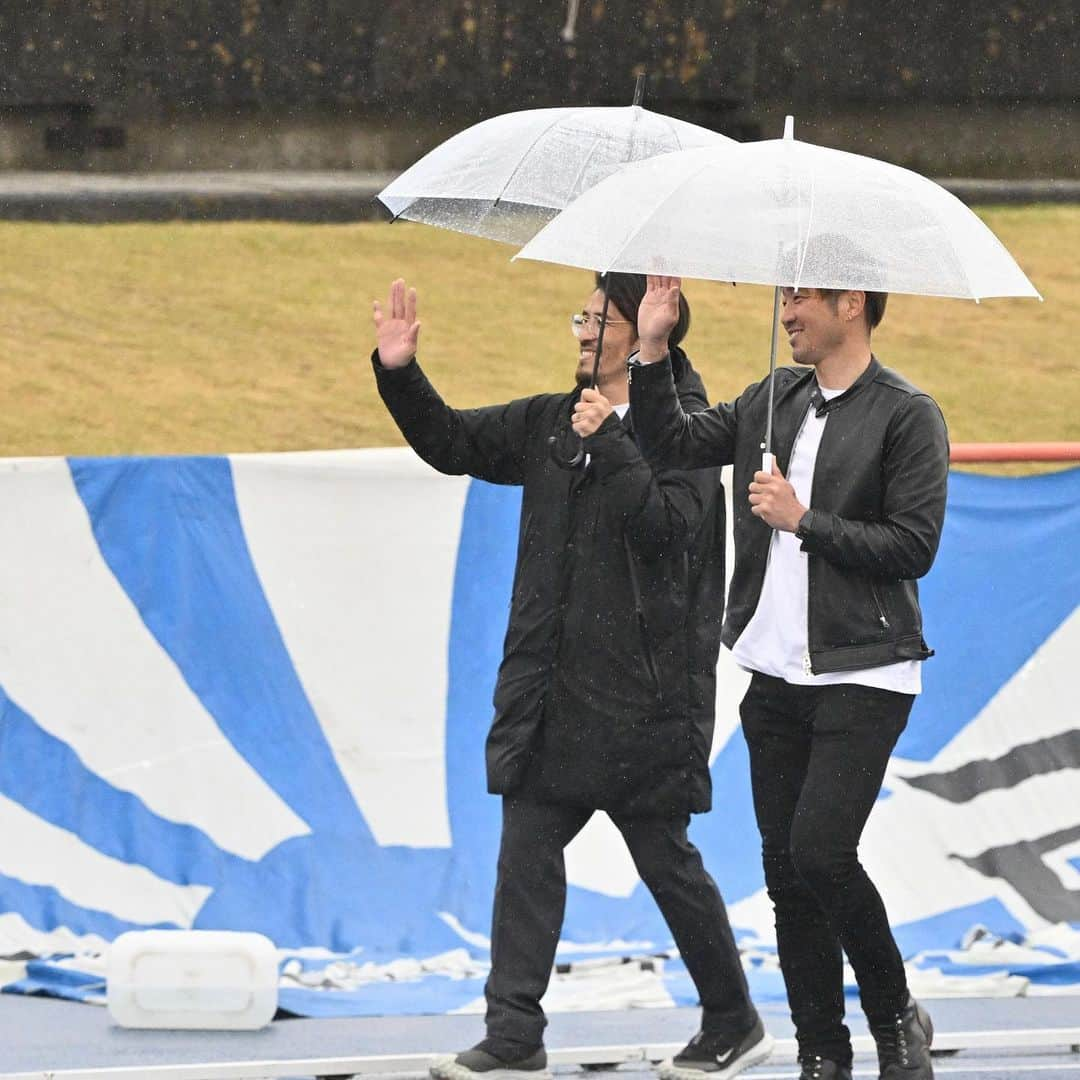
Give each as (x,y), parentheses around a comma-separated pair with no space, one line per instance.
(818,1068)
(903,1044)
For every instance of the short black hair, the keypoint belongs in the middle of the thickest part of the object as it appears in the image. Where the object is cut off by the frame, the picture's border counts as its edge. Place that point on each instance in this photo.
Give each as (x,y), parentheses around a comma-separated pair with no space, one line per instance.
(626,291)
(873,309)
(820,256)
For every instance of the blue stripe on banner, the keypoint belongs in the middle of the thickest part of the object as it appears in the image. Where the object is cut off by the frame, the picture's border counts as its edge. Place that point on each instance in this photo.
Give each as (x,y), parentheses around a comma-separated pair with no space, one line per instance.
(340,892)
(119,824)
(45,909)
(947,930)
(728,837)
(192,581)
(594,917)
(435,994)
(483,579)
(766,983)
(1049,974)
(51,980)
(1005,578)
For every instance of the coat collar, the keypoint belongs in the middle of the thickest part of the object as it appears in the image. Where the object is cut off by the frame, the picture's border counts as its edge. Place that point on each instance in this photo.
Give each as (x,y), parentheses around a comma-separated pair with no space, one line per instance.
(822,407)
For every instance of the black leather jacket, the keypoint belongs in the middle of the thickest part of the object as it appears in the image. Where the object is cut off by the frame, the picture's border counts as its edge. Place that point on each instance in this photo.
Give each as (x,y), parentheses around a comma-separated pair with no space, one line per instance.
(877,503)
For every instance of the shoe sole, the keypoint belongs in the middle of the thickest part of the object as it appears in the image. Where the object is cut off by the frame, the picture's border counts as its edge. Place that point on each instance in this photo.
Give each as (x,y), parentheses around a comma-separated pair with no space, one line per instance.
(757,1053)
(449,1069)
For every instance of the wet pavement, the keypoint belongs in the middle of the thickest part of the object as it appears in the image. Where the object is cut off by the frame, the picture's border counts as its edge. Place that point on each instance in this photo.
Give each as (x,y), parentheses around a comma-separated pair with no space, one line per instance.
(1029,1037)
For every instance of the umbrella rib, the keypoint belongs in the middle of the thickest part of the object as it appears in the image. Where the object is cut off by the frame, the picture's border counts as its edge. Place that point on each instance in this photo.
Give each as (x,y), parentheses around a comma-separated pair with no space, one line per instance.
(809,225)
(584,164)
(674,133)
(959,262)
(521,160)
(678,140)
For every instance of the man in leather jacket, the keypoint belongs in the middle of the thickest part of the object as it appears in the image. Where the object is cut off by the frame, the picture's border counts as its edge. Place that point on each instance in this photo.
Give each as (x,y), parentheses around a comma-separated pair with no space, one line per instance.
(606,691)
(823,611)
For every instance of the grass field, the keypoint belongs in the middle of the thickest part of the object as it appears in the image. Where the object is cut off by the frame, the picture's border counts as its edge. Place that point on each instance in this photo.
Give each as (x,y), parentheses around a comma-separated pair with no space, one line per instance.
(164,339)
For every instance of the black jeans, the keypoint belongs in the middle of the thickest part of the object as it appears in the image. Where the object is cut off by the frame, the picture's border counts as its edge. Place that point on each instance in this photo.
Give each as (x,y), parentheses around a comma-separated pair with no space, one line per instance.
(817,759)
(530,900)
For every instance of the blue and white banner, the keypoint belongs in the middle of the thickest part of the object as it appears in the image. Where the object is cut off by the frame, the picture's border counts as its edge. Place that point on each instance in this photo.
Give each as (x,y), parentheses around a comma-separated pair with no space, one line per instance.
(252,693)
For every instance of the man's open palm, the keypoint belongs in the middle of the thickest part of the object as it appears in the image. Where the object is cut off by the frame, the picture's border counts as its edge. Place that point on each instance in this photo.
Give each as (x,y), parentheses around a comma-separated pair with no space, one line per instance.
(396,328)
(659,310)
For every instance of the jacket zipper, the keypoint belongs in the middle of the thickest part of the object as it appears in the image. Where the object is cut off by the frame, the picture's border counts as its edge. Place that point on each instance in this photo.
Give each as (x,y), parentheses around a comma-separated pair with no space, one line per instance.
(650,660)
(808,665)
(880,608)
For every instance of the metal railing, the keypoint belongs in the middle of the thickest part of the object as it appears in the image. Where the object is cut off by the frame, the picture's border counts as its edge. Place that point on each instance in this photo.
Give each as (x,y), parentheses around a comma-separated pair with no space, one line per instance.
(1021,451)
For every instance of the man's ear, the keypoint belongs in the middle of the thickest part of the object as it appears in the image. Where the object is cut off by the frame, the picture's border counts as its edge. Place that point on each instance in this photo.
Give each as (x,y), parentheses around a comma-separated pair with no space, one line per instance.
(854,304)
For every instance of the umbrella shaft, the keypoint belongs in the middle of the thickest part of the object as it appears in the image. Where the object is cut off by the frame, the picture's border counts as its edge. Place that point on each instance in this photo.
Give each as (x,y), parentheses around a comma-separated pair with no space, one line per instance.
(600,338)
(772,369)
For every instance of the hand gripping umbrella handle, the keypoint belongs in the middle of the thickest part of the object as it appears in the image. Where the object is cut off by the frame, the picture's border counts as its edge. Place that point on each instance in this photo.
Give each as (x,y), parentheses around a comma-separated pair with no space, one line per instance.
(553,442)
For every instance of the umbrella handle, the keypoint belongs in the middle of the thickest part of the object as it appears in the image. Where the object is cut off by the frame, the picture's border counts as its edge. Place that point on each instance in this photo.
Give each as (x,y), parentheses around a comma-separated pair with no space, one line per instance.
(565,463)
(767,460)
(553,447)
(570,462)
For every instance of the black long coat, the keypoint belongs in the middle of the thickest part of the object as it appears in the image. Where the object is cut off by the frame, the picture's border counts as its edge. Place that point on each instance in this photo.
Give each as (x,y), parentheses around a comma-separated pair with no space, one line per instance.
(606,691)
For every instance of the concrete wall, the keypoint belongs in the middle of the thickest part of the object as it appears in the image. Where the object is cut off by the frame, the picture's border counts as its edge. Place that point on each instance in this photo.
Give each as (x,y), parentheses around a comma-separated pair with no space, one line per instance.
(984,87)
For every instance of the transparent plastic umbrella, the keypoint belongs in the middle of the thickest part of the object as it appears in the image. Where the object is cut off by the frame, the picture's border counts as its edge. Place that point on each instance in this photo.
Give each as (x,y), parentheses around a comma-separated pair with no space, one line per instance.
(784,213)
(507,177)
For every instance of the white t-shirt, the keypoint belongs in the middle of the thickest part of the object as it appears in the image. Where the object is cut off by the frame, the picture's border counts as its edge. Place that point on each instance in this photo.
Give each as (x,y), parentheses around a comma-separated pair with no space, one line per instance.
(774,642)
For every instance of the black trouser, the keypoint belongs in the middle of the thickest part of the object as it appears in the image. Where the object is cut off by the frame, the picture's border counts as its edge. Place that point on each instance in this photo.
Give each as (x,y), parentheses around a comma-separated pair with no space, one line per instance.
(530,900)
(817,759)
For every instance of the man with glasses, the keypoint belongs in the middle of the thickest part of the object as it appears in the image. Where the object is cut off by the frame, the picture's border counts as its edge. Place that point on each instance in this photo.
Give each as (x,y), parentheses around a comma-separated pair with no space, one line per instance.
(606,690)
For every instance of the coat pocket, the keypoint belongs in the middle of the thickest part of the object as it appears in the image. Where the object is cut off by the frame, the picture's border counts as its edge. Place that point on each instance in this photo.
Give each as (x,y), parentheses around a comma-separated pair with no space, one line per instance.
(511,744)
(647,742)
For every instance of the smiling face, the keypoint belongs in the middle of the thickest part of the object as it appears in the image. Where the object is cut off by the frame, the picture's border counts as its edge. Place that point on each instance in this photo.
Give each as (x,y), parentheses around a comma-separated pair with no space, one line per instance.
(620,340)
(817,325)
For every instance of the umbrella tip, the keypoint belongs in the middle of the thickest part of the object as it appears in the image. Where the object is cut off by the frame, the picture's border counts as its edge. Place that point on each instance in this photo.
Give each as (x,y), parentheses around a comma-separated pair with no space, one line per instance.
(789,127)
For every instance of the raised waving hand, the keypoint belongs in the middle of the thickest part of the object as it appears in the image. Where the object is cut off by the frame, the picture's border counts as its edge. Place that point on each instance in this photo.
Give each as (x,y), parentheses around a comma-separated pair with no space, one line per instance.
(657,315)
(396,327)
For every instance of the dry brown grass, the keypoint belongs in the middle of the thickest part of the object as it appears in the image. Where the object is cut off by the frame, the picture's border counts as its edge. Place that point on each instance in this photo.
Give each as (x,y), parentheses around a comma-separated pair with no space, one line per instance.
(154,339)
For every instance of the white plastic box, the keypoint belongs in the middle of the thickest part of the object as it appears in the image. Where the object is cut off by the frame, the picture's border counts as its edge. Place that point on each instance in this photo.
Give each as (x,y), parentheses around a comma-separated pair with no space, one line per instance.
(209,979)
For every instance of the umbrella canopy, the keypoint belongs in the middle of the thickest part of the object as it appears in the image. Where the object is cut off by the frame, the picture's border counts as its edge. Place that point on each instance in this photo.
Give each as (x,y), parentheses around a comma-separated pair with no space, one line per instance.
(507,177)
(783,212)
